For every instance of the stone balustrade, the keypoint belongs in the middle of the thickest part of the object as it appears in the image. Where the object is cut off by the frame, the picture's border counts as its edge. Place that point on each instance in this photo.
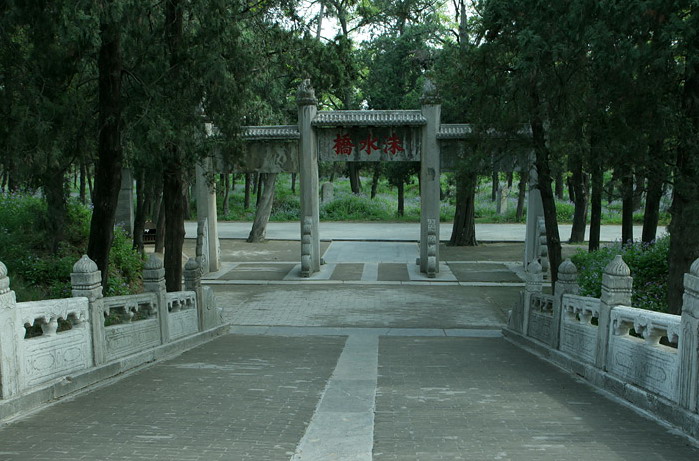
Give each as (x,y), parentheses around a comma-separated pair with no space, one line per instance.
(649,358)
(46,343)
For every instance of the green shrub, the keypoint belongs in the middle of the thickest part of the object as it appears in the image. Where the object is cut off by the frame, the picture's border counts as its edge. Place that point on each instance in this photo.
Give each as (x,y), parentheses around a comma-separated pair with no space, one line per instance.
(125,266)
(648,265)
(564,211)
(37,273)
(286,207)
(350,207)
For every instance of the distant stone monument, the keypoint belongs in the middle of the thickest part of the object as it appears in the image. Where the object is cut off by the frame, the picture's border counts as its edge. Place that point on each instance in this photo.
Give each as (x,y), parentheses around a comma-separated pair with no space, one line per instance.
(502,196)
(327,192)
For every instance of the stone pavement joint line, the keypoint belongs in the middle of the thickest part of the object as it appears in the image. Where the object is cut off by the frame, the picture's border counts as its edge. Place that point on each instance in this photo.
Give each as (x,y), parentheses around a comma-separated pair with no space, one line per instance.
(342,426)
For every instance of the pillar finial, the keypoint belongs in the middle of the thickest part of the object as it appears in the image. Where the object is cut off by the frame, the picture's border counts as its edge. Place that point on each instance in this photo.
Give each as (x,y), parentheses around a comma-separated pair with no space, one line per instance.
(306,95)
(430,95)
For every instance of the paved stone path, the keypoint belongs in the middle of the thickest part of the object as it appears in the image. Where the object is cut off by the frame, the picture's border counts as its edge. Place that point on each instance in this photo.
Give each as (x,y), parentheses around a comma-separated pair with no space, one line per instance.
(348,372)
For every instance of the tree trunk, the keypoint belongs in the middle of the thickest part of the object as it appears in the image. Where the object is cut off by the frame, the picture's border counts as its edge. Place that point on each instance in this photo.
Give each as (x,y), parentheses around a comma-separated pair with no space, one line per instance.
(651,214)
(627,207)
(638,190)
(580,186)
(139,223)
(258,193)
(596,205)
(246,200)
(549,204)
(83,185)
(495,183)
(57,213)
(355,182)
(522,195)
(293,183)
(108,169)
(173,204)
(174,189)
(510,179)
(160,227)
(401,198)
(226,194)
(684,227)
(559,185)
(375,179)
(264,208)
(463,232)
(90,187)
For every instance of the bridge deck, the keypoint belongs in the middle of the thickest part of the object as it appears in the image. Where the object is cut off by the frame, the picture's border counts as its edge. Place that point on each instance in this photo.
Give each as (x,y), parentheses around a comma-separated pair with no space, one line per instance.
(351,371)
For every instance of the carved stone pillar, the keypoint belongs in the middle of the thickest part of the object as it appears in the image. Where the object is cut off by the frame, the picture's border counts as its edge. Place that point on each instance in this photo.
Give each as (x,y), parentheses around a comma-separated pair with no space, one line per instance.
(86,281)
(616,291)
(308,174)
(154,282)
(567,284)
(192,282)
(10,333)
(688,346)
(535,280)
(429,182)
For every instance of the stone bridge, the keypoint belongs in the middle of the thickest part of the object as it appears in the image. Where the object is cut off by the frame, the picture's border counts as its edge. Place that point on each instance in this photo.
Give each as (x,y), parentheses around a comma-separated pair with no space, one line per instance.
(370,362)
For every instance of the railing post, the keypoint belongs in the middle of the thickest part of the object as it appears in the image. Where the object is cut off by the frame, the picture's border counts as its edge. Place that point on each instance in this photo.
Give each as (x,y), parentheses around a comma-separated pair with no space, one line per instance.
(192,282)
(10,333)
(616,291)
(567,283)
(688,346)
(535,278)
(154,282)
(86,281)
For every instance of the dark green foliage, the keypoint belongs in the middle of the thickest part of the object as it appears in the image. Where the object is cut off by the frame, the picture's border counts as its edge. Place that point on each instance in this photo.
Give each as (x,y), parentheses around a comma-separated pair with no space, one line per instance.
(35,271)
(649,269)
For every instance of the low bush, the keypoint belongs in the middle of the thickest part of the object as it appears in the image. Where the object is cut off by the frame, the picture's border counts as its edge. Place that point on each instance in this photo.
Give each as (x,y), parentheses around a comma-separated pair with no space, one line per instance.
(350,207)
(648,265)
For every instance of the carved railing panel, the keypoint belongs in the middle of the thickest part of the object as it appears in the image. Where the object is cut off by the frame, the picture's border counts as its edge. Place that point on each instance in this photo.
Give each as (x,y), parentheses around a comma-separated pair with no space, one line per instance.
(54,353)
(643,360)
(578,327)
(182,316)
(130,308)
(541,317)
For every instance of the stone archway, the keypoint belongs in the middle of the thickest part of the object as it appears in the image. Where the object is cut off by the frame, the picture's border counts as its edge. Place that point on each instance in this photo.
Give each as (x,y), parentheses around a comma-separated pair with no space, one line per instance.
(372,135)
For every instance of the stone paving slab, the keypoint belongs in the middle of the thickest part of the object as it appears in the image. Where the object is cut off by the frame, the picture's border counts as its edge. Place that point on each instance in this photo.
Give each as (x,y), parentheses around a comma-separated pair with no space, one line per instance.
(348,271)
(252,271)
(483,272)
(393,271)
(398,306)
(484,399)
(236,398)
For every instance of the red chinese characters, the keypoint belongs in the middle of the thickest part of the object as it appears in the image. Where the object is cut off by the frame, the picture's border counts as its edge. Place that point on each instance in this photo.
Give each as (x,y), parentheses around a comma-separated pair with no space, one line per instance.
(393,145)
(369,144)
(343,144)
